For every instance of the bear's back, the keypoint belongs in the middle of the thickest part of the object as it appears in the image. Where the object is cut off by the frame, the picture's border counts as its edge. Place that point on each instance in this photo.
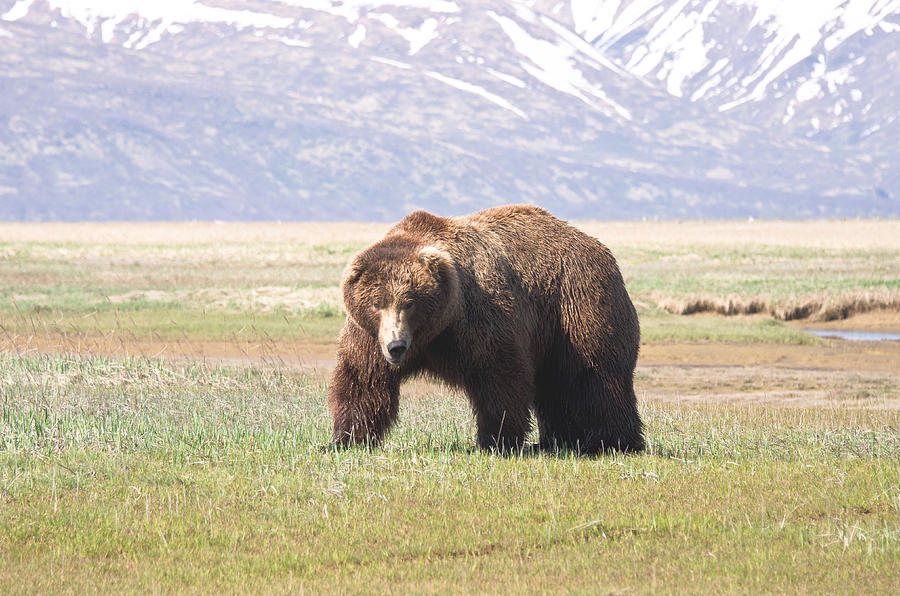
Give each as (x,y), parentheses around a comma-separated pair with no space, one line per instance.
(535,240)
(524,238)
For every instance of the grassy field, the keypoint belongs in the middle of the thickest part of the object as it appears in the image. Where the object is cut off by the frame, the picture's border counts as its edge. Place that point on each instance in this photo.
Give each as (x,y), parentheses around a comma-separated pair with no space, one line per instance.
(139,474)
(163,281)
(162,422)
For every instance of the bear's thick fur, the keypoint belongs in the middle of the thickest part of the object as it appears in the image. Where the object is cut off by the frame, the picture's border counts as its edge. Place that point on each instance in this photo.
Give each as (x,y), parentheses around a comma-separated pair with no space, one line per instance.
(522,311)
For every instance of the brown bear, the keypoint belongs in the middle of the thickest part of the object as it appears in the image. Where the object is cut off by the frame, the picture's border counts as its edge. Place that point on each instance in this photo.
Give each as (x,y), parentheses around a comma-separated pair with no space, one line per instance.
(522,311)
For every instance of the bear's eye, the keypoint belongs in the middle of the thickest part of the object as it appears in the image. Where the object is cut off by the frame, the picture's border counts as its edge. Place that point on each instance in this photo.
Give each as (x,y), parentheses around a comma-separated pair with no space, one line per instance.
(408,306)
(376,306)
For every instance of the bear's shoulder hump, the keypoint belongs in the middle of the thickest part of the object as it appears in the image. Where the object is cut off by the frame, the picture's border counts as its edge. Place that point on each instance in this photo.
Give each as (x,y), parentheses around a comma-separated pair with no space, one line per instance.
(422,223)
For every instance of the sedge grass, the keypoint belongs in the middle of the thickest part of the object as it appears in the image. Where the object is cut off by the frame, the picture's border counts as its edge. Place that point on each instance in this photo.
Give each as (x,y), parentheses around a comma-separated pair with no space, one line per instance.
(134,474)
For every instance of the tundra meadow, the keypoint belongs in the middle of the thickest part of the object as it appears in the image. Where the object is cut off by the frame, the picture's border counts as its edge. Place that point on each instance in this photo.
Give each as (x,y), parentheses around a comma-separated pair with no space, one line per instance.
(163,423)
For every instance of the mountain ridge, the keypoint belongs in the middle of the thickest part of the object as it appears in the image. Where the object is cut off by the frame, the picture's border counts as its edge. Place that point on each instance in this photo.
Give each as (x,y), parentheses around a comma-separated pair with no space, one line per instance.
(313,109)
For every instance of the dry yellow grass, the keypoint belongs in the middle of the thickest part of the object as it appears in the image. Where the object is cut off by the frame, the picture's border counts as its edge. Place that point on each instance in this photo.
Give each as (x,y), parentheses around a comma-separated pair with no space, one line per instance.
(812,308)
(866,234)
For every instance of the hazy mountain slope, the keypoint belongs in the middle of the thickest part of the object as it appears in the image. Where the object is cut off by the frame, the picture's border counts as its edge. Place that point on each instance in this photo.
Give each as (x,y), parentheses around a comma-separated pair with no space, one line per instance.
(299,109)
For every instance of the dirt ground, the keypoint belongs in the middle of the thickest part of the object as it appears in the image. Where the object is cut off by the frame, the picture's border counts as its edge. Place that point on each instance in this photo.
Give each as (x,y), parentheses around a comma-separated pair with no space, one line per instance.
(831,354)
(833,373)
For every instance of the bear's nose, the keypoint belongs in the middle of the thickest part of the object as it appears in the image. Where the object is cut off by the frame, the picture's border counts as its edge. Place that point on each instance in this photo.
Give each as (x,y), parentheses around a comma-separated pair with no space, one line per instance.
(396,349)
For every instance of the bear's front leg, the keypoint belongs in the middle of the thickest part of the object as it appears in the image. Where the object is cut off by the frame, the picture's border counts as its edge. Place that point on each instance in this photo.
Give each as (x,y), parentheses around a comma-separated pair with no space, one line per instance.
(364,393)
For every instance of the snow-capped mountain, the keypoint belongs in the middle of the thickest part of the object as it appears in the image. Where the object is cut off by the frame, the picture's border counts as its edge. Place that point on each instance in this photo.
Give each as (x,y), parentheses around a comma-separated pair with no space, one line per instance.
(365,109)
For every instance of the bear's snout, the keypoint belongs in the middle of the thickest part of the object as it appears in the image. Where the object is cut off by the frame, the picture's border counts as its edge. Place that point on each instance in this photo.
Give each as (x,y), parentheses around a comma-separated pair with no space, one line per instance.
(394,335)
(396,349)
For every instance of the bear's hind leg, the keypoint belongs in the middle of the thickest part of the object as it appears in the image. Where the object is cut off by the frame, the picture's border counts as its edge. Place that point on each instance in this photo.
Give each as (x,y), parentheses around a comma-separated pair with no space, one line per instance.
(554,421)
(610,415)
(591,414)
(502,409)
(553,438)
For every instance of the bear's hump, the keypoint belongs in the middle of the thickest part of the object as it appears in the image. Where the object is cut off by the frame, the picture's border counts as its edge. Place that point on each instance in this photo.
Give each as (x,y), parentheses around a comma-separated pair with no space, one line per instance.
(422,224)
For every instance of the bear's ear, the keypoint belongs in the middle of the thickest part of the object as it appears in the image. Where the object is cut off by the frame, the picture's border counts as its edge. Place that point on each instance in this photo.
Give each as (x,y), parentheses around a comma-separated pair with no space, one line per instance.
(433,257)
(442,267)
(351,274)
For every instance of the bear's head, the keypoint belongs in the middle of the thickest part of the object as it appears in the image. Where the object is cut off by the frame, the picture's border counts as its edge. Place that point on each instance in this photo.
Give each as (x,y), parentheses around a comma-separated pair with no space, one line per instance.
(401,292)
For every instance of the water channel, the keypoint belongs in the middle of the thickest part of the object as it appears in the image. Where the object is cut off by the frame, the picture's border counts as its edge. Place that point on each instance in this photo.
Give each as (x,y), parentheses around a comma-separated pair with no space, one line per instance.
(855,335)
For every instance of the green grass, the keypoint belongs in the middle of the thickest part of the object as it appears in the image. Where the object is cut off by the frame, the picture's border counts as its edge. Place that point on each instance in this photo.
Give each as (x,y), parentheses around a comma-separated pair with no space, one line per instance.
(134,474)
(777,273)
(289,292)
(659,326)
(178,323)
(183,323)
(301,278)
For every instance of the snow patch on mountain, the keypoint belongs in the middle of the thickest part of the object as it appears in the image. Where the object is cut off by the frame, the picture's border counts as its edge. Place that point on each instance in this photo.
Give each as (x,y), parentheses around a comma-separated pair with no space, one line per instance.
(552,64)
(586,50)
(417,37)
(389,62)
(167,16)
(161,17)
(18,10)
(291,42)
(603,22)
(506,78)
(824,83)
(795,29)
(480,91)
(358,36)
(679,37)
(351,10)
(676,40)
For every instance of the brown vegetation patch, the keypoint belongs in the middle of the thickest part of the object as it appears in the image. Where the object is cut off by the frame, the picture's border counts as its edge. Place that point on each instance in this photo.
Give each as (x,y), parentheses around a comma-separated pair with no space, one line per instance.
(811,309)
(877,320)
